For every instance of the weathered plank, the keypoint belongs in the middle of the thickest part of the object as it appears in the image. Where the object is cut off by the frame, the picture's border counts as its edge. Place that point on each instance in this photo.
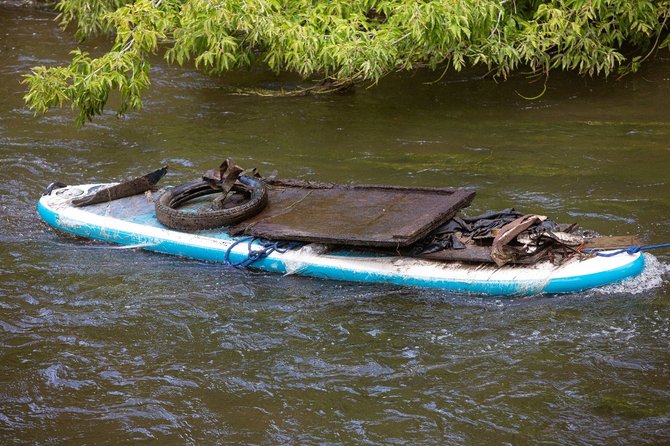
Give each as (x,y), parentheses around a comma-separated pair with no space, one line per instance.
(380,216)
(612,242)
(125,189)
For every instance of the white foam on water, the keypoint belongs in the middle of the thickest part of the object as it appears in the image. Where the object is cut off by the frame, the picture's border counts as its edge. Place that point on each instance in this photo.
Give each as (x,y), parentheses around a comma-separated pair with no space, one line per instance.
(654,275)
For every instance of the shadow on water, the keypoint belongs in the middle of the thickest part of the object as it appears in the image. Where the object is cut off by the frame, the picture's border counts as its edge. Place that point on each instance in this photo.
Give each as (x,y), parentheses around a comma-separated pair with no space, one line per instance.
(101,344)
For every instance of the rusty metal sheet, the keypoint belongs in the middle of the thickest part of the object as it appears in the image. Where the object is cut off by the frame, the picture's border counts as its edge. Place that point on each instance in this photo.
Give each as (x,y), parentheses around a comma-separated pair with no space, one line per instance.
(380,216)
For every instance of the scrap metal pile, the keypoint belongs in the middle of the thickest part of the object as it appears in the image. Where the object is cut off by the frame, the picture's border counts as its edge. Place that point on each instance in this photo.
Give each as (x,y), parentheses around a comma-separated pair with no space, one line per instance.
(502,237)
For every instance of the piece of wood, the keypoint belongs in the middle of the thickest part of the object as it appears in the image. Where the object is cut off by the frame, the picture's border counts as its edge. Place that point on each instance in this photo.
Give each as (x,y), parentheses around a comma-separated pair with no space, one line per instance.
(471,253)
(481,254)
(127,188)
(612,242)
(378,216)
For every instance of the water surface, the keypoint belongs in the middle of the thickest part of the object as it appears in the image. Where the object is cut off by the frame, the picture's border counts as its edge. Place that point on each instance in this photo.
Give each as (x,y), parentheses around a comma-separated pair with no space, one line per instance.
(105,345)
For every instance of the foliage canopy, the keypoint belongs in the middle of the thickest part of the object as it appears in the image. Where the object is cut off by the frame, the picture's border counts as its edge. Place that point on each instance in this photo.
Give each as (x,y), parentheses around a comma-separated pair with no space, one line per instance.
(344,41)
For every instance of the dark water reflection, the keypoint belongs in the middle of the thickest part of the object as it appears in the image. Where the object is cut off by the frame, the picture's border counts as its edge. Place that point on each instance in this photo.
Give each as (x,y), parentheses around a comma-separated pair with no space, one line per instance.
(105,345)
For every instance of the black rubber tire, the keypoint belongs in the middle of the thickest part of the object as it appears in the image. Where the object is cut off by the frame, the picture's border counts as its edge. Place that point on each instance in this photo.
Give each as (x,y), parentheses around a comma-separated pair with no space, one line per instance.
(168,203)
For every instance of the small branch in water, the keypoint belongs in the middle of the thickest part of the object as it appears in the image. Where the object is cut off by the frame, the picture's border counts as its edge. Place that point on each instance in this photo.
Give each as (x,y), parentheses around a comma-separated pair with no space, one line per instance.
(327,86)
(544,90)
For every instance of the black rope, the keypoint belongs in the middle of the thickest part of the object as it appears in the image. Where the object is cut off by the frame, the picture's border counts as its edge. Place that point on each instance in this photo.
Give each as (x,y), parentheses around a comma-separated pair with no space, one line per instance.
(253,255)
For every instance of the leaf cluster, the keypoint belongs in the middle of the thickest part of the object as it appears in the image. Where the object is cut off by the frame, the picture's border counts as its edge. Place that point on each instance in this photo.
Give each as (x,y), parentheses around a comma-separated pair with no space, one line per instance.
(346,41)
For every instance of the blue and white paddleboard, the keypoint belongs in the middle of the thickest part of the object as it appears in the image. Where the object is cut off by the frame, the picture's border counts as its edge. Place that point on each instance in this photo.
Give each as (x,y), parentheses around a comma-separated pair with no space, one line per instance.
(132,221)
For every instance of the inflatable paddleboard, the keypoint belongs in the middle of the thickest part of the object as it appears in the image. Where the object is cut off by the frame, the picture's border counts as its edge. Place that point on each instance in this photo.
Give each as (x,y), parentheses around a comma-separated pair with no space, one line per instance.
(131,221)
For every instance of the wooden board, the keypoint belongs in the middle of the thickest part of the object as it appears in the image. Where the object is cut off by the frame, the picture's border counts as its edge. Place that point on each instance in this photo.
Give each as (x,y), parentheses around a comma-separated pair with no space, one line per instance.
(380,216)
(480,254)
(612,242)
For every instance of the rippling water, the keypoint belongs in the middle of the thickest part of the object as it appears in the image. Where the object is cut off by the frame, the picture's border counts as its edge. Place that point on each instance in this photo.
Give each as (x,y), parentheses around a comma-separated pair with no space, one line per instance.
(107,345)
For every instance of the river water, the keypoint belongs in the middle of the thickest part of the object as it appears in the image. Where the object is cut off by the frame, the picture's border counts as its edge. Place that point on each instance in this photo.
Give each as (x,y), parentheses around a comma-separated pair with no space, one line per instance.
(105,345)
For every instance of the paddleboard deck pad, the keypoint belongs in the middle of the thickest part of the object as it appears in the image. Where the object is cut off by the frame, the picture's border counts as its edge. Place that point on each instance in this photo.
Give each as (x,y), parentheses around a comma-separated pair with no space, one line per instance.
(132,221)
